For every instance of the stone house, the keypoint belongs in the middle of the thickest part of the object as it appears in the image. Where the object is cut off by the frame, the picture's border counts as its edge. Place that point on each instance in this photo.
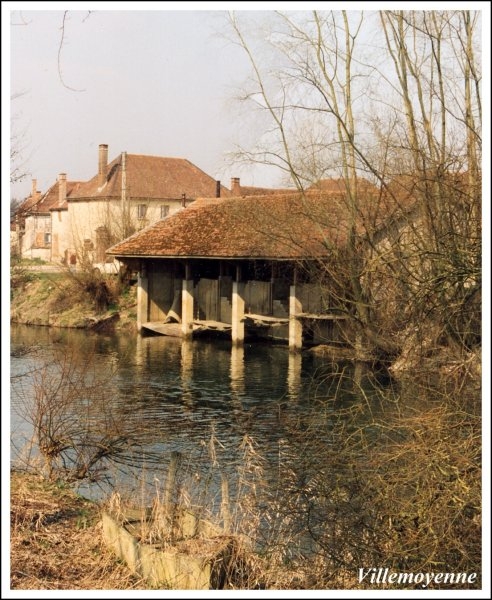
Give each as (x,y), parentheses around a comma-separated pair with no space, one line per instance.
(36,232)
(76,222)
(130,193)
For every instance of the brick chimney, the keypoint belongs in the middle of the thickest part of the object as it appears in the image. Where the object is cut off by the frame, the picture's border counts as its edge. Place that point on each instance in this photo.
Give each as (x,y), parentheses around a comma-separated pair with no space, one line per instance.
(62,188)
(103,163)
(235,186)
(35,194)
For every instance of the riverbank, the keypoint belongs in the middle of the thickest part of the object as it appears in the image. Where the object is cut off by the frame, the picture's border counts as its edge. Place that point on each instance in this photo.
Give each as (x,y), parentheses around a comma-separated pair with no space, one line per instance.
(55,299)
(56,540)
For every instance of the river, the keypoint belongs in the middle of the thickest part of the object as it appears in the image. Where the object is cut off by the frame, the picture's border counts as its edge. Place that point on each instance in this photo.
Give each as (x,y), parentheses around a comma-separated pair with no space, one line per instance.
(243,412)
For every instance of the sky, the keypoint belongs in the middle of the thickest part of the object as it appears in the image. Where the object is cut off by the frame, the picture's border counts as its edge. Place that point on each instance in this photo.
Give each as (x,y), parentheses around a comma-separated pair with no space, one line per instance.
(157,78)
(155,82)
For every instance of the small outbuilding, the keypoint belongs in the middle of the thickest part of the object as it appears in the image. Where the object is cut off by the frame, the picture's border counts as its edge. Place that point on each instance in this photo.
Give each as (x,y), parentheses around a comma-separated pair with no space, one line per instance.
(245,266)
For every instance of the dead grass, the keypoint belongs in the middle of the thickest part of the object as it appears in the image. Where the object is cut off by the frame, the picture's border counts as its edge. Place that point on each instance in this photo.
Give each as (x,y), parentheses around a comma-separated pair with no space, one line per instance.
(56,541)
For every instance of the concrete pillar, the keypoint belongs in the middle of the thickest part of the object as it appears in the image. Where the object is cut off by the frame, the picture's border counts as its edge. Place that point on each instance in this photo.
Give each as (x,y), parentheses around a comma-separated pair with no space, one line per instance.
(187,309)
(237,333)
(142,298)
(295,325)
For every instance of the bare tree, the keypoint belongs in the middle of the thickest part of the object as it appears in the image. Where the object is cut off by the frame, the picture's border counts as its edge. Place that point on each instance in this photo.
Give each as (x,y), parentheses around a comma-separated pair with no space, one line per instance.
(71,405)
(397,95)
(18,145)
(407,121)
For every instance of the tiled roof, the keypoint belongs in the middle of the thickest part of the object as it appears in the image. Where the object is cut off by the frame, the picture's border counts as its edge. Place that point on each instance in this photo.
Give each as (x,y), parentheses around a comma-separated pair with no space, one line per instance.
(410,185)
(259,191)
(291,226)
(49,200)
(338,186)
(29,202)
(152,177)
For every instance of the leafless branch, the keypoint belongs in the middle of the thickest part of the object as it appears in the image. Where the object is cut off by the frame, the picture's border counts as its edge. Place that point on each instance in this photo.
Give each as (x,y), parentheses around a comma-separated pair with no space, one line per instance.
(60,48)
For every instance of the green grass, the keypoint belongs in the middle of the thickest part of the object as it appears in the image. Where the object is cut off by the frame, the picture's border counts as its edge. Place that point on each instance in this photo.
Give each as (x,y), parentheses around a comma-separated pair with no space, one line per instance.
(27,262)
(49,277)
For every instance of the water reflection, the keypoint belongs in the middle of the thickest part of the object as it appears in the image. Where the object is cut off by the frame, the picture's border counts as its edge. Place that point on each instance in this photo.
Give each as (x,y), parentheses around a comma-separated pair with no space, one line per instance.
(237,371)
(319,460)
(164,395)
(294,375)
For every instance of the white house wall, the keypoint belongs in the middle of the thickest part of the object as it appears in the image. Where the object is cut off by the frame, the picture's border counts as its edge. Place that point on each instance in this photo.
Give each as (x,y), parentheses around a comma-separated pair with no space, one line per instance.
(85,217)
(35,243)
(62,247)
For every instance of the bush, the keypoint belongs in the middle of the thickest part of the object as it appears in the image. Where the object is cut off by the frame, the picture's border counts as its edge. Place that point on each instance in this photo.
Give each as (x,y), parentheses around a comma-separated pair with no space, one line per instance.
(19,274)
(99,290)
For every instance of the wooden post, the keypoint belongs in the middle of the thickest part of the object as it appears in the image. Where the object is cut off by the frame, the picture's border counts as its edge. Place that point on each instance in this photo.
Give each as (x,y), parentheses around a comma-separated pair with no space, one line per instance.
(171,478)
(272,284)
(142,297)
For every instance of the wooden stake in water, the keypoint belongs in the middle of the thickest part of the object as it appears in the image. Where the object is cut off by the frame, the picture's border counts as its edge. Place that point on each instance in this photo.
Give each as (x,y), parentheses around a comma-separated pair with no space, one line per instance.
(171,478)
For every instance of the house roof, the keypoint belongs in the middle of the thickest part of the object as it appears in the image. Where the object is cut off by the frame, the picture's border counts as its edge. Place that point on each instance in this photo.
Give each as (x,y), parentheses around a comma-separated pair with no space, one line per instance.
(152,177)
(338,186)
(43,203)
(290,226)
(29,202)
(260,191)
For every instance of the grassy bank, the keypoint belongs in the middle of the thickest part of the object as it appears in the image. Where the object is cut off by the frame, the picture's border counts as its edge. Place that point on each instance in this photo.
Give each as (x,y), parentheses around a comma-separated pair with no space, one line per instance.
(64,299)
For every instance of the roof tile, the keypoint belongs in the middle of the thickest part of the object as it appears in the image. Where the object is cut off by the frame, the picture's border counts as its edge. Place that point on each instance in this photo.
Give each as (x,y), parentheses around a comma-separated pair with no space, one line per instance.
(152,177)
(289,226)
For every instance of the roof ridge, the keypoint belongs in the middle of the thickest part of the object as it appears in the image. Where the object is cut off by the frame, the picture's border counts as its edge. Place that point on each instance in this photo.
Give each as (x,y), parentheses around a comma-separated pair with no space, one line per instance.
(156,156)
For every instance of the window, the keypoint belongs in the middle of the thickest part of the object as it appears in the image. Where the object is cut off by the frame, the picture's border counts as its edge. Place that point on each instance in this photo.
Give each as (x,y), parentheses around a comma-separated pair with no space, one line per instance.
(47,239)
(141,211)
(164,210)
